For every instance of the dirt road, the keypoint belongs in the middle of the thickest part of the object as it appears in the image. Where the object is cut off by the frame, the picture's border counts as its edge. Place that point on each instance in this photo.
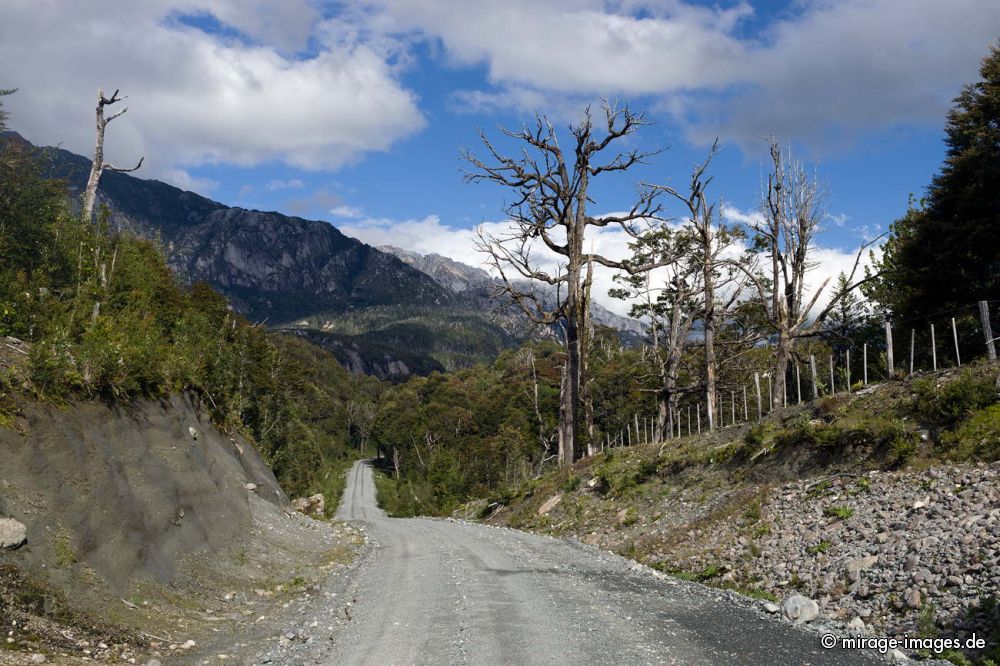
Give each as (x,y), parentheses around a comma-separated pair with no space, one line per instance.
(448,592)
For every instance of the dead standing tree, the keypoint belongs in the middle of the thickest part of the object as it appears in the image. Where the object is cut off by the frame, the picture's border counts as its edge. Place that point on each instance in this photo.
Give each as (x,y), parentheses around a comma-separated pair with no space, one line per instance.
(792,210)
(549,212)
(98,166)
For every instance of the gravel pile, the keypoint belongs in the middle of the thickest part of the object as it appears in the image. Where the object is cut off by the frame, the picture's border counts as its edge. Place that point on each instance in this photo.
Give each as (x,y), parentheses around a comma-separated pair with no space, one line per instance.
(909,553)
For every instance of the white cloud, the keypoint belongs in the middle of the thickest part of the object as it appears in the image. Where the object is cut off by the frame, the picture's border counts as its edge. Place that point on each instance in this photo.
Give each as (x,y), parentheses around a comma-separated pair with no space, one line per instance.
(828,69)
(291,184)
(429,235)
(199,98)
(184,180)
(351,212)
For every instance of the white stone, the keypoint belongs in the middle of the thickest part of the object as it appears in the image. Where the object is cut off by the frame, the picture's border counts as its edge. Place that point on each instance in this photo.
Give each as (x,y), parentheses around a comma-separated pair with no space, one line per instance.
(13,533)
(798,609)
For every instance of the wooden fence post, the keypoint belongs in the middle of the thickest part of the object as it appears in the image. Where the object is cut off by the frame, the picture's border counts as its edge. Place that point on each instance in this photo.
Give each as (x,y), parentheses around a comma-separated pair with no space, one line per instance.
(770,394)
(732,402)
(933,350)
(954,332)
(812,368)
(756,384)
(913,345)
(888,349)
(984,315)
(864,362)
(689,420)
(698,416)
(798,381)
(833,385)
(746,412)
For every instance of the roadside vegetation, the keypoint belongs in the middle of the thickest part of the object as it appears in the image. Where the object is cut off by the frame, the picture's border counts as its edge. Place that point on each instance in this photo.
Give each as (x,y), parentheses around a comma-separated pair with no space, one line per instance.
(103,318)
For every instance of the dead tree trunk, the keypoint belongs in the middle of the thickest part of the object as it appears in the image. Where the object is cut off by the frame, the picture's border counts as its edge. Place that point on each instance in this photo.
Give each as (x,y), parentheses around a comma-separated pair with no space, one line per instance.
(98,166)
(550,214)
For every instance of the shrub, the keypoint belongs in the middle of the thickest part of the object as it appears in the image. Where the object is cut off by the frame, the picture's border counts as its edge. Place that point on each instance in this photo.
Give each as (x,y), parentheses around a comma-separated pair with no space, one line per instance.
(948,404)
(976,437)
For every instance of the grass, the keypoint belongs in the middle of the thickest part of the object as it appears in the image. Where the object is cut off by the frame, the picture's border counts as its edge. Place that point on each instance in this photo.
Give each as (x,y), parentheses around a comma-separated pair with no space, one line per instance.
(840,512)
(64,551)
(821,547)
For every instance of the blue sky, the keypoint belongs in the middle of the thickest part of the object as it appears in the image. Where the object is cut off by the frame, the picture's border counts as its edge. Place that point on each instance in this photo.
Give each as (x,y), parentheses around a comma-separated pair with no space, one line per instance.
(355,112)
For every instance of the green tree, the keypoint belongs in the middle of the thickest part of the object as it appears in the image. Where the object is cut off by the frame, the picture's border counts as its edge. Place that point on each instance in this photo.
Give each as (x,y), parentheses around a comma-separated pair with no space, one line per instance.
(945,251)
(3,114)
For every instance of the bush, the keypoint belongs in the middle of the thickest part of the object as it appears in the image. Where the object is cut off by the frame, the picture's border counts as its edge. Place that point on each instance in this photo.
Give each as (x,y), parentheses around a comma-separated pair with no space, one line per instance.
(977,437)
(948,404)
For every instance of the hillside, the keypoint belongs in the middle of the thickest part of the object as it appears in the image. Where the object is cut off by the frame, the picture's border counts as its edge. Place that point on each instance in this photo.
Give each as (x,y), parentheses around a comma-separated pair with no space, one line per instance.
(380,311)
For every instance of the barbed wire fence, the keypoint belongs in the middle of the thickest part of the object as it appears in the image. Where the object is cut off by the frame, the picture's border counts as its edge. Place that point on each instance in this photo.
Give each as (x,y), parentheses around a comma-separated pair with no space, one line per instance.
(932,348)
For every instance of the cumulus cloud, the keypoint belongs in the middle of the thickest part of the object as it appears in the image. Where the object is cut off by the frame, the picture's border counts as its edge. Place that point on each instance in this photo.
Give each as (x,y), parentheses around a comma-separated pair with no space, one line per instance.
(197,97)
(351,212)
(429,235)
(826,70)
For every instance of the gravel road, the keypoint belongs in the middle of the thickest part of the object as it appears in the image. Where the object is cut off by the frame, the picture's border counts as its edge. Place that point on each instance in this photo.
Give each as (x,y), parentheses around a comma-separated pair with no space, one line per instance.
(449,592)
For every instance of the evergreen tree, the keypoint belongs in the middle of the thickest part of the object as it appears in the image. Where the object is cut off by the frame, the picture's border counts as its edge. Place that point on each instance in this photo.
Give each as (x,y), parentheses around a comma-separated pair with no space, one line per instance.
(3,114)
(945,252)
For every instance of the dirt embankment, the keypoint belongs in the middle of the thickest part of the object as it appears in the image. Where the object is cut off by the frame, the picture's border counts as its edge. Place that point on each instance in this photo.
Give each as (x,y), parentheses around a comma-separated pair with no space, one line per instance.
(146,528)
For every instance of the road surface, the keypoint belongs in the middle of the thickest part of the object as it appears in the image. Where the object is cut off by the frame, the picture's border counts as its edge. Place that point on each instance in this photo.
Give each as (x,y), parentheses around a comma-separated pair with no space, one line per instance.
(446,592)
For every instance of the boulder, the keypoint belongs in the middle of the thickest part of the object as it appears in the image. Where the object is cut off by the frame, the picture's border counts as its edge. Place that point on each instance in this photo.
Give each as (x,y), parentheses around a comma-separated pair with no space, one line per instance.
(13,534)
(314,505)
(799,609)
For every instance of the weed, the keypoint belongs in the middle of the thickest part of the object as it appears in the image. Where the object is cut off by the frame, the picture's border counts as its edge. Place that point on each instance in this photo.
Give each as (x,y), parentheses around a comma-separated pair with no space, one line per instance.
(631,517)
(571,483)
(755,435)
(820,488)
(841,512)
(821,547)
(863,484)
(65,553)
(753,512)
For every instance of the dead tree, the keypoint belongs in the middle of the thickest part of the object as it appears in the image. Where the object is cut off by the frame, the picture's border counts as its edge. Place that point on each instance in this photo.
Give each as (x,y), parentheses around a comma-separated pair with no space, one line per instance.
(98,166)
(549,213)
(792,208)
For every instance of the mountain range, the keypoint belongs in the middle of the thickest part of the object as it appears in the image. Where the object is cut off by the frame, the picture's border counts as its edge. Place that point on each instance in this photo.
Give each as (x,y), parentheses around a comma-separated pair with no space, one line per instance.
(382,311)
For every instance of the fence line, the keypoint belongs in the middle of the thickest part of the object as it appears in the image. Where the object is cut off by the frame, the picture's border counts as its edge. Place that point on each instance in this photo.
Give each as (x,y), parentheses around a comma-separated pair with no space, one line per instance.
(651,432)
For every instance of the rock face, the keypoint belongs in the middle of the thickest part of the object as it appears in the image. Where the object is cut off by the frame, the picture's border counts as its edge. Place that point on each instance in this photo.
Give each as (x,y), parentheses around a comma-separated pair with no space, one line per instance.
(13,534)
